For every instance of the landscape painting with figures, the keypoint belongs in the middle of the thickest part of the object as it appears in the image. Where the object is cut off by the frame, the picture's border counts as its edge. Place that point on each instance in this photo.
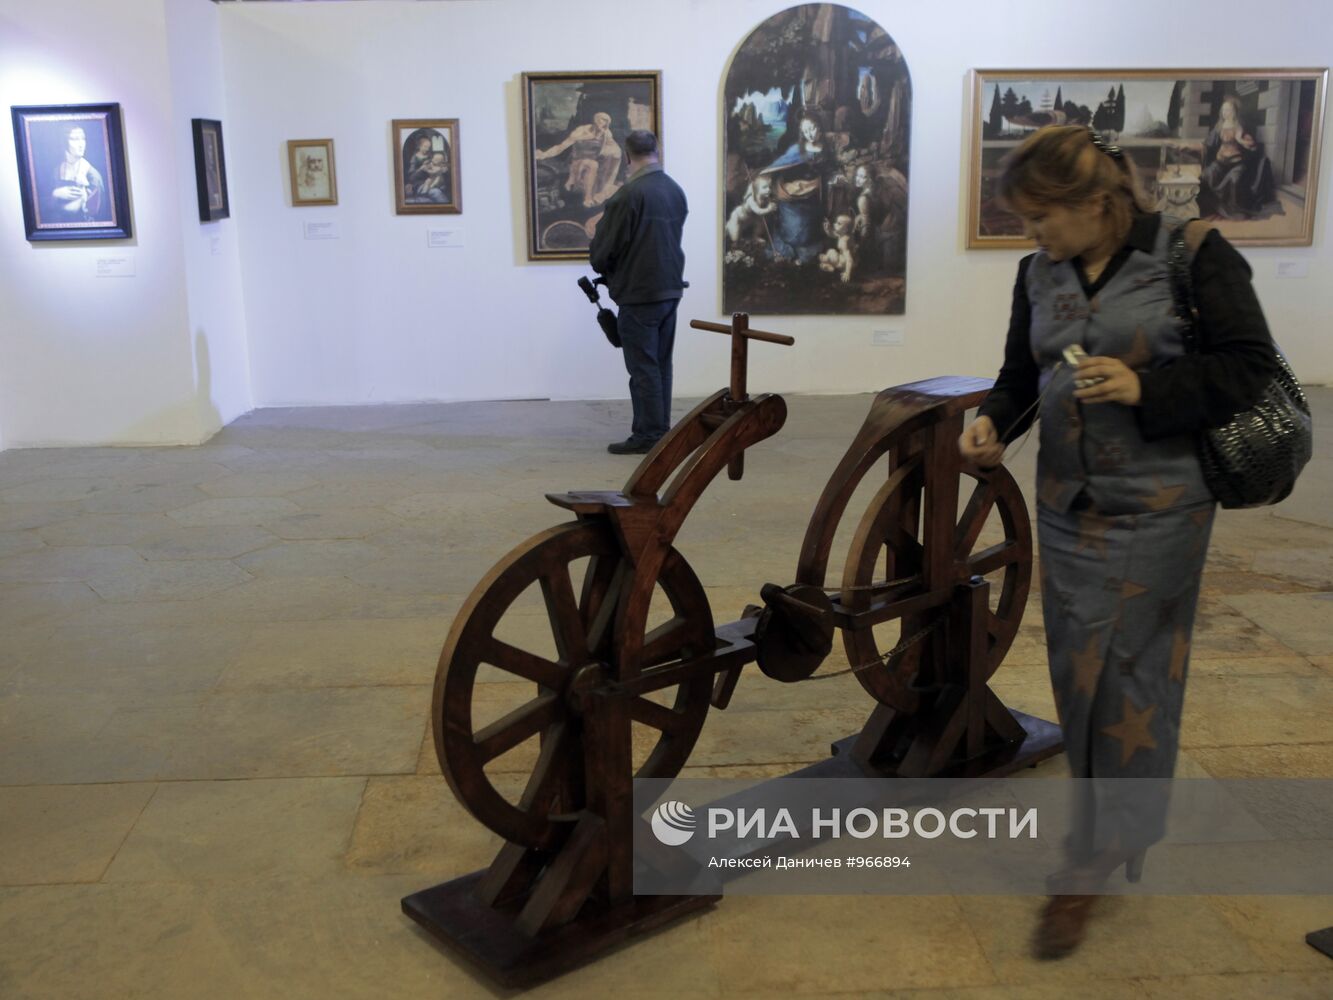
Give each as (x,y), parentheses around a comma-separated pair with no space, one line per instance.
(1238,148)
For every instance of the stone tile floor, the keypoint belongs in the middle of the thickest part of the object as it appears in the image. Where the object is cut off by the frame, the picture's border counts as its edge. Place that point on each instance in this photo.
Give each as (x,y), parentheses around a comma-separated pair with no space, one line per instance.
(216,776)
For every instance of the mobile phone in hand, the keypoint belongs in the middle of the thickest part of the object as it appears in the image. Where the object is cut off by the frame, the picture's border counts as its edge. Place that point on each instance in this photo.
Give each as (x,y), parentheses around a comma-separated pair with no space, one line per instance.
(1073,355)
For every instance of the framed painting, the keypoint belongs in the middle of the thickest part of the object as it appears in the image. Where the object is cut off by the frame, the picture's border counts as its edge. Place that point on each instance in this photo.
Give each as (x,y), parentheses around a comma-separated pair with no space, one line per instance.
(210,170)
(817,125)
(427,180)
(314,179)
(72,177)
(1238,147)
(573,157)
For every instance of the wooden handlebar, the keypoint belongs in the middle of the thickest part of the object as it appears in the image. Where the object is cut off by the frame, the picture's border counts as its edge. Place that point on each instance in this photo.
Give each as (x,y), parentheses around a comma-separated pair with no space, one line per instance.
(771,338)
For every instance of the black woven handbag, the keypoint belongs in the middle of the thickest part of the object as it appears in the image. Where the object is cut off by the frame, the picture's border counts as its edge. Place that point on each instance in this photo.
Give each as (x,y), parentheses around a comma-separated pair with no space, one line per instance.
(1254,458)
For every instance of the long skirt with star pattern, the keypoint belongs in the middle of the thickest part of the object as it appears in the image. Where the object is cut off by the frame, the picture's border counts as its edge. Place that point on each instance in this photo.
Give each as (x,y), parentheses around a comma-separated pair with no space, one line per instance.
(1119,594)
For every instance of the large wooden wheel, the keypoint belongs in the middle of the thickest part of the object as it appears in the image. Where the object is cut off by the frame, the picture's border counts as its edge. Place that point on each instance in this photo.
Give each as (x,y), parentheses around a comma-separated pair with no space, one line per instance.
(582,579)
(887,562)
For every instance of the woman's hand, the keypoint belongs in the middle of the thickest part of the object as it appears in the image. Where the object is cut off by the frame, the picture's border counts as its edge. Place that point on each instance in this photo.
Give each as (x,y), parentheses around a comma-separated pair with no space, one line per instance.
(1119,383)
(981,444)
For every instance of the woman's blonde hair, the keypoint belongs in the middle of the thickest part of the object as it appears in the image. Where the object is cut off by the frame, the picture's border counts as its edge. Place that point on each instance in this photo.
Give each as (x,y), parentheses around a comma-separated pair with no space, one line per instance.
(1061,165)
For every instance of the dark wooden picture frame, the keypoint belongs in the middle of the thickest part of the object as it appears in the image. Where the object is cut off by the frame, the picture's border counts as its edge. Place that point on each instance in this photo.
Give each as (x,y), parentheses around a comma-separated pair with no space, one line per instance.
(426,167)
(574,126)
(210,170)
(73,187)
(1251,168)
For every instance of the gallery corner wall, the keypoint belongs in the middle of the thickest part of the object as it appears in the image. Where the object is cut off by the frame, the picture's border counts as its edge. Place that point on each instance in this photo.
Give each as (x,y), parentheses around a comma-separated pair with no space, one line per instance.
(156,356)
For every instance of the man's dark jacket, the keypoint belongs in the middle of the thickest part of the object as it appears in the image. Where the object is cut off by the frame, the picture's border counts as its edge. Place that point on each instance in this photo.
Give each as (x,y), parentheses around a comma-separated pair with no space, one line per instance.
(637,243)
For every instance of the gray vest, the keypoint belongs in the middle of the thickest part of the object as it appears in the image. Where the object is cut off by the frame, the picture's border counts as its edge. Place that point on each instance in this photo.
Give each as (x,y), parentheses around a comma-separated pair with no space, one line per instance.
(1097,448)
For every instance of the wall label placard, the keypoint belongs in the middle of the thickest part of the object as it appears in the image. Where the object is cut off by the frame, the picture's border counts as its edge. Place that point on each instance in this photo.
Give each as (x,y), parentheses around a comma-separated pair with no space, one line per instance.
(321,230)
(119,266)
(451,237)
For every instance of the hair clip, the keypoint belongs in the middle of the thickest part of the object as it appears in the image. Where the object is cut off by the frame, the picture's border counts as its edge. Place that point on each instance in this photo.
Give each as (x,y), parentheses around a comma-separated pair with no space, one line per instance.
(1114,152)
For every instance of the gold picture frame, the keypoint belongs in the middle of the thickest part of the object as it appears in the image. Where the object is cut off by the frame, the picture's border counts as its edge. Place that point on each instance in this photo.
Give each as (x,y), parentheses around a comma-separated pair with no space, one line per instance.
(1252,169)
(427,175)
(562,118)
(310,166)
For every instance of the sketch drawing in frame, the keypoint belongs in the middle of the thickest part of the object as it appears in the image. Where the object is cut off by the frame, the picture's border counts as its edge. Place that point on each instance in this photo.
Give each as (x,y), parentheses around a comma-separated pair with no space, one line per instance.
(1239,148)
(575,126)
(210,170)
(817,122)
(427,177)
(313,175)
(72,177)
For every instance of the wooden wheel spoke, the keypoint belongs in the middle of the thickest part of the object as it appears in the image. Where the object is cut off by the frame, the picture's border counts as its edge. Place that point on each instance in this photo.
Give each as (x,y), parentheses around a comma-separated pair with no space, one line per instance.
(903,556)
(989,560)
(601,624)
(666,642)
(596,586)
(650,713)
(544,785)
(878,588)
(527,665)
(901,538)
(563,612)
(521,724)
(973,519)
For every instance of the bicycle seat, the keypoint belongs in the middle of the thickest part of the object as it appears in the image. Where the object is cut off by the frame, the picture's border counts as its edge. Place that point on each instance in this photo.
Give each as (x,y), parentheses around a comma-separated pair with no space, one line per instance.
(596,501)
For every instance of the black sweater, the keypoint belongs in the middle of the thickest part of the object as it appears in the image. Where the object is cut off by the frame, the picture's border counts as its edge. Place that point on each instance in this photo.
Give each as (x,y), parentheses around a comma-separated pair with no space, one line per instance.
(637,243)
(1190,393)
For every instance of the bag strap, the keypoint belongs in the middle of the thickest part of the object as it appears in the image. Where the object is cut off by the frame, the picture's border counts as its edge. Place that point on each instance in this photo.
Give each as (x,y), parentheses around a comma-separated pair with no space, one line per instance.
(1183,245)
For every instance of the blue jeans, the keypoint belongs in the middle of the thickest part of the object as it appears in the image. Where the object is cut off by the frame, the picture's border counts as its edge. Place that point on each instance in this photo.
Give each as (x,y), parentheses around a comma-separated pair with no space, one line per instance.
(648,334)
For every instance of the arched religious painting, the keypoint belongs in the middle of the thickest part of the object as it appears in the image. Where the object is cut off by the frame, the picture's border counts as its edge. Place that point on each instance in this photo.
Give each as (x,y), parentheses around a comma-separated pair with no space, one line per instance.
(817,117)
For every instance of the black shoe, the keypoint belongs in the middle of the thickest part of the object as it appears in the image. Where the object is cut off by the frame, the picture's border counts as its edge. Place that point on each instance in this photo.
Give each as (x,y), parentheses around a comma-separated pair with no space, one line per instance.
(630,447)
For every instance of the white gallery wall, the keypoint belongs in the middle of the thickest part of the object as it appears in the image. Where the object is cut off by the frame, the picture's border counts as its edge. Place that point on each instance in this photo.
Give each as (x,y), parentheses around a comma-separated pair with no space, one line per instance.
(376,315)
(246,311)
(87,359)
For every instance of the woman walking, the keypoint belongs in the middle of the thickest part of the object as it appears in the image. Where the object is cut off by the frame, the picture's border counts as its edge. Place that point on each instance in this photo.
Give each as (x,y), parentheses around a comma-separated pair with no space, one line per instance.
(1123,513)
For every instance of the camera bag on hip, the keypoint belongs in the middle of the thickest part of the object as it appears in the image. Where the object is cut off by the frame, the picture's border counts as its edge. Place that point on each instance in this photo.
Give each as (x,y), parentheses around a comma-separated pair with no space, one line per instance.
(606,319)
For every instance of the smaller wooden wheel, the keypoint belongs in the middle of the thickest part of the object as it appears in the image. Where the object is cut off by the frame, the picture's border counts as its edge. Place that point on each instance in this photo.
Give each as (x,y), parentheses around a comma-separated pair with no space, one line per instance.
(890,560)
(582,577)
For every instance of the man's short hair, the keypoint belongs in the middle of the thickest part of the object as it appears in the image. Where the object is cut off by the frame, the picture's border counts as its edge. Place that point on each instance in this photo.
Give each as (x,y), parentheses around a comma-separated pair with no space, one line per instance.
(640,143)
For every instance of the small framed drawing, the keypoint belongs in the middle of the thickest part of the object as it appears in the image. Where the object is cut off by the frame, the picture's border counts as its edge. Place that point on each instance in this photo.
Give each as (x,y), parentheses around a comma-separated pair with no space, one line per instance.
(1238,147)
(575,126)
(314,180)
(210,170)
(72,175)
(427,179)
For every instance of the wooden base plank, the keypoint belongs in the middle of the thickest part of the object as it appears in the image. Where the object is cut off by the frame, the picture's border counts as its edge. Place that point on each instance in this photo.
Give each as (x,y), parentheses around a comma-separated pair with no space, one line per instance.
(489,938)
(1043,740)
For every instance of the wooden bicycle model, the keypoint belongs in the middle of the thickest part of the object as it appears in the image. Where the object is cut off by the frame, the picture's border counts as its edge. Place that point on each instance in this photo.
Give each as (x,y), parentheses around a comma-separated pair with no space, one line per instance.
(623,685)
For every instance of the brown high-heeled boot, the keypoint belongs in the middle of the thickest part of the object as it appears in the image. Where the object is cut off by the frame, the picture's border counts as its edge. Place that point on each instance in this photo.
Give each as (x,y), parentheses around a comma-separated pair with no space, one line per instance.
(1064,921)
(1090,876)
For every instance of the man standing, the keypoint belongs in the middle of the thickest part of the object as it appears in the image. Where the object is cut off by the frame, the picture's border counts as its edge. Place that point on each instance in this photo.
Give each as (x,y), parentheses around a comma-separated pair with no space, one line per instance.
(637,248)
